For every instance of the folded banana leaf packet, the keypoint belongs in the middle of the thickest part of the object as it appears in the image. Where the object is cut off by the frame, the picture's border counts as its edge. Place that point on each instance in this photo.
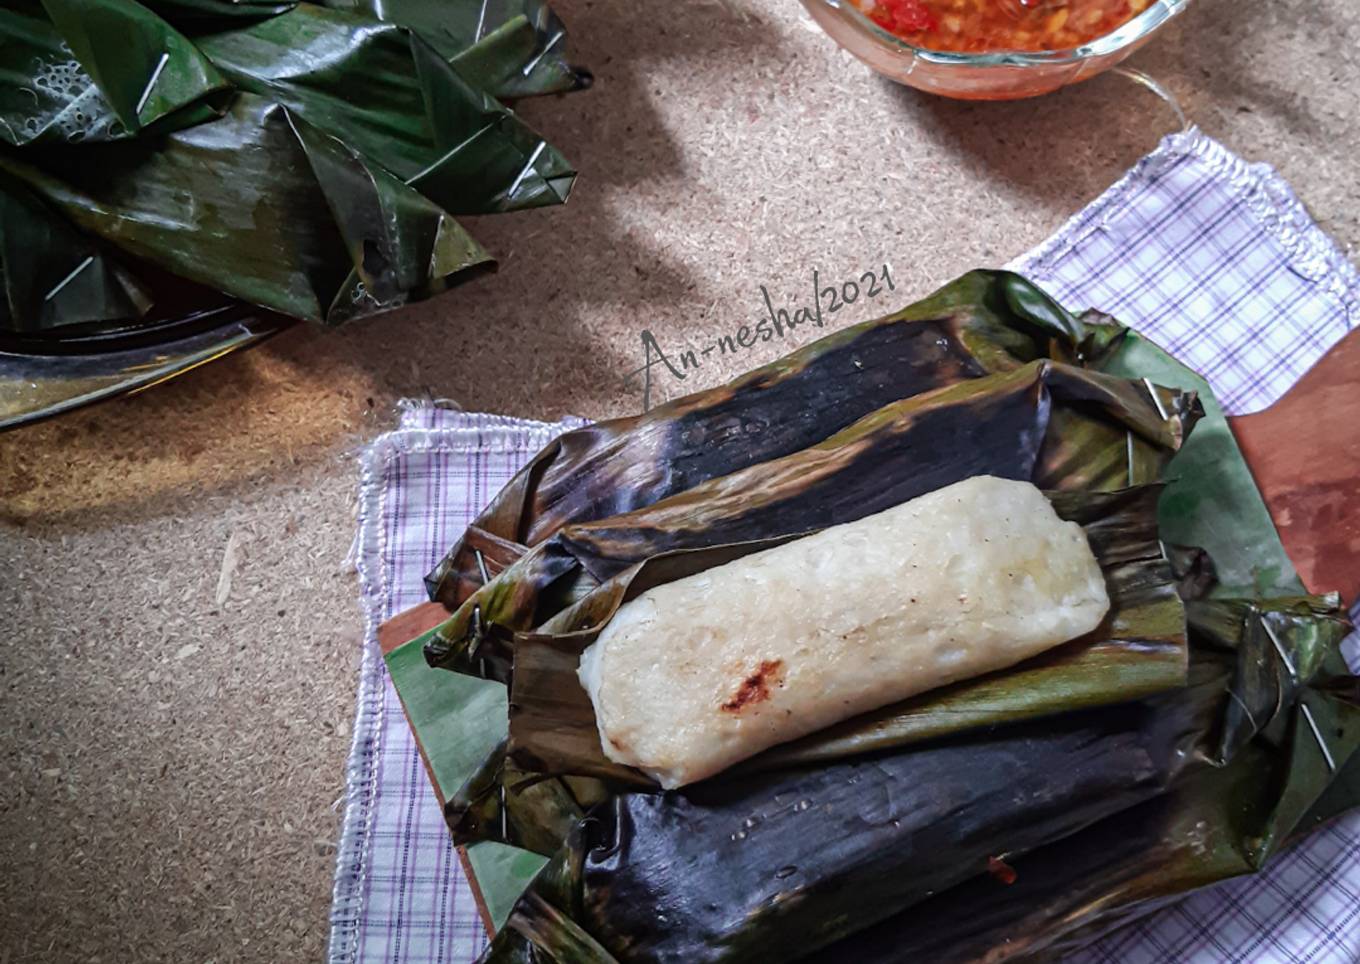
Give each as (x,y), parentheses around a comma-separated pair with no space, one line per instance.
(1013,816)
(511,794)
(308,159)
(1007,416)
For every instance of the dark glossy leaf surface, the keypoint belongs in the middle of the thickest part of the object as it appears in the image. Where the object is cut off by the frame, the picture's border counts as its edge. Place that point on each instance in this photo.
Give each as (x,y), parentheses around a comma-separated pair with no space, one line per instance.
(195,15)
(994,425)
(965,330)
(512,48)
(391,97)
(46,96)
(54,276)
(403,246)
(155,134)
(290,249)
(1219,821)
(262,248)
(146,69)
(896,859)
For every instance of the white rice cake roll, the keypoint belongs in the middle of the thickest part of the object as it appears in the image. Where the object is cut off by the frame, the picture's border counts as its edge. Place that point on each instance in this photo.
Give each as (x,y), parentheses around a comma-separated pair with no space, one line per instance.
(697,674)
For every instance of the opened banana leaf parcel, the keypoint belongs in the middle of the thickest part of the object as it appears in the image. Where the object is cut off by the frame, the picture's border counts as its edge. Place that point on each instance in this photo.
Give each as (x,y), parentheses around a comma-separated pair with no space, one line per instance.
(995,796)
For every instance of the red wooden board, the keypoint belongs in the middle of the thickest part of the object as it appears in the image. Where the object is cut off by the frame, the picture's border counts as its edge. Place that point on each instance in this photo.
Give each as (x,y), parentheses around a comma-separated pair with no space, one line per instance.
(1305,454)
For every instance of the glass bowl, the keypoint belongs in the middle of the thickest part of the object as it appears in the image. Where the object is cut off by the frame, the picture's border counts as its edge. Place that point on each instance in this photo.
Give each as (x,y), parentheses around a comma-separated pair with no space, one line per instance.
(1005,75)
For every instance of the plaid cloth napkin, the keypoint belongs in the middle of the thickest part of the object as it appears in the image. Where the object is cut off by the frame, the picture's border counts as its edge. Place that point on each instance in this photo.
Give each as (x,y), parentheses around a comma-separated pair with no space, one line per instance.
(1211,257)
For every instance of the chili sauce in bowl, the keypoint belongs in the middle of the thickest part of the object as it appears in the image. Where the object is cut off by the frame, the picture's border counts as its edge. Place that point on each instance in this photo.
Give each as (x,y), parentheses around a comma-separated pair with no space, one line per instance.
(992,49)
(986,26)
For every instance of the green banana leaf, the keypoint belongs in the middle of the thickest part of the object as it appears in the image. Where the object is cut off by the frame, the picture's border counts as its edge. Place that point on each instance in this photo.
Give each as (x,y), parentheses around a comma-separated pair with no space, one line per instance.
(895,858)
(1217,505)
(501,873)
(485,797)
(402,246)
(529,28)
(489,63)
(144,67)
(287,250)
(397,102)
(48,97)
(511,48)
(53,275)
(190,14)
(308,159)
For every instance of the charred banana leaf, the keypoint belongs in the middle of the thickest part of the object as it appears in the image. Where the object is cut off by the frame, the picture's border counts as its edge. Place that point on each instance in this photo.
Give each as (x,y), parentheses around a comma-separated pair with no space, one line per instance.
(594,492)
(1004,845)
(1223,820)
(908,448)
(998,424)
(982,323)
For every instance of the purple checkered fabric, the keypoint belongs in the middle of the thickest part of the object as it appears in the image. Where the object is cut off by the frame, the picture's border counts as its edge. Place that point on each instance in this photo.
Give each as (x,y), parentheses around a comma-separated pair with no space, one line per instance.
(400,891)
(1212,258)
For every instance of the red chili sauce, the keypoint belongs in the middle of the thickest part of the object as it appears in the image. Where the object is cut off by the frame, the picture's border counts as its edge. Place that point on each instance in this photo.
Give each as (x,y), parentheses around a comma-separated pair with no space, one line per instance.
(979,26)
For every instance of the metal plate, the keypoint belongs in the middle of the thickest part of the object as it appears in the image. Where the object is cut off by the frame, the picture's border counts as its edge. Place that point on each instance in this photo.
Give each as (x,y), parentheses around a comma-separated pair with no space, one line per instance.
(40,378)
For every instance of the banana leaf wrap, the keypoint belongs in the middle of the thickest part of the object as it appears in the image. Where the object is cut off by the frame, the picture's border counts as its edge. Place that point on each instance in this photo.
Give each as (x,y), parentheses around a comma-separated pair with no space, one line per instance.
(529,790)
(982,323)
(993,425)
(1140,648)
(532,800)
(326,148)
(1002,845)
(1091,445)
